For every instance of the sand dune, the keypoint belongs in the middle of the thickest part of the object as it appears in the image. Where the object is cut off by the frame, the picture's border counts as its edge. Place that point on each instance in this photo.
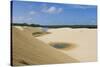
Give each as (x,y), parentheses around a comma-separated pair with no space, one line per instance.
(84,39)
(28,50)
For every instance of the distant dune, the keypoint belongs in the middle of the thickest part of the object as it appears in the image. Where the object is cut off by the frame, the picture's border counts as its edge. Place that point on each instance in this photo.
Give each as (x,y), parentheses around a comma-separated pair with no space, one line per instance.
(28,50)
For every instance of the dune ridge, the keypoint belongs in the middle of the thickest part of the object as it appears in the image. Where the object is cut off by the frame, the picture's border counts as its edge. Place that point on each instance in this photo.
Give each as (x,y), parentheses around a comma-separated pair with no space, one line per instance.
(27,50)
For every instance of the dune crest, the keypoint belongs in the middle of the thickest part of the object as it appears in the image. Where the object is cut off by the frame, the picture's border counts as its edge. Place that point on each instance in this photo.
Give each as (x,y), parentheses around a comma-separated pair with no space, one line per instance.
(27,50)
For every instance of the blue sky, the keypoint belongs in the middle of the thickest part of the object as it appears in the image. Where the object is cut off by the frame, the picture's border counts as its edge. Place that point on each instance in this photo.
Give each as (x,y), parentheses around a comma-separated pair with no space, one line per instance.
(54,14)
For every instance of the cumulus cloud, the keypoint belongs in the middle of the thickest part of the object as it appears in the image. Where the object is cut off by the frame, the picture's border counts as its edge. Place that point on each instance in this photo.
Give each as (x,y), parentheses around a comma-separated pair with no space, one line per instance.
(52,9)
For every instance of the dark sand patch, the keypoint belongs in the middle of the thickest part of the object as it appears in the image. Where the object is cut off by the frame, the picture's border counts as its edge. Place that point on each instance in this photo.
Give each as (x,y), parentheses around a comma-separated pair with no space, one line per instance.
(37,34)
(63,46)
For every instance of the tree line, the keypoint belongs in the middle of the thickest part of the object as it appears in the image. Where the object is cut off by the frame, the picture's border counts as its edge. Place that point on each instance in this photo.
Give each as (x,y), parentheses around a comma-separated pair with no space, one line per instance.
(54,26)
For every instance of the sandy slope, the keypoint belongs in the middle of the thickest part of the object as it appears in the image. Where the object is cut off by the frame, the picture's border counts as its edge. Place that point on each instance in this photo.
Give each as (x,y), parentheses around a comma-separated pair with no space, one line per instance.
(29,50)
(84,39)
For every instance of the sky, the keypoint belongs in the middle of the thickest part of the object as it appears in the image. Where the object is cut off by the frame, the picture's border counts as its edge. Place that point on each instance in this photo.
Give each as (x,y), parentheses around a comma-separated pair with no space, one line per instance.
(53,13)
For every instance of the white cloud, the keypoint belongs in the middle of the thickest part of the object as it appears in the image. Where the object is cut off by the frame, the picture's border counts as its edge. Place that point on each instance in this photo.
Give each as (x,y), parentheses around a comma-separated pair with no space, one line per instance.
(18,18)
(81,6)
(60,10)
(32,12)
(52,9)
(22,18)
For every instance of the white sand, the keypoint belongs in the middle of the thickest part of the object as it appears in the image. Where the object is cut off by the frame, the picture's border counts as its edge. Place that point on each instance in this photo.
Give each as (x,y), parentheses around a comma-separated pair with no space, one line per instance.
(19,27)
(27,50)
(84,39)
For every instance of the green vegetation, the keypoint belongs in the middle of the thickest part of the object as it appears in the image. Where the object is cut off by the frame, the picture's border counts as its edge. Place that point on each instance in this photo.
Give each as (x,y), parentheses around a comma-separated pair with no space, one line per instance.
(36,34)
(25,24)
(55,26)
